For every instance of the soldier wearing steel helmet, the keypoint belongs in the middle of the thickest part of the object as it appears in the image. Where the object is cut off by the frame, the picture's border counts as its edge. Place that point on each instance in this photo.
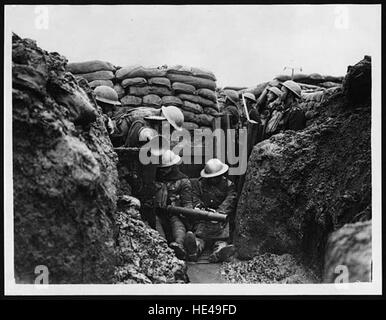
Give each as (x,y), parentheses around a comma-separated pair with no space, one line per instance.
(232,107)
(213,191)
(293,116)
(107,99)
(286,113)
(130,124)
(173,188)
(135,127)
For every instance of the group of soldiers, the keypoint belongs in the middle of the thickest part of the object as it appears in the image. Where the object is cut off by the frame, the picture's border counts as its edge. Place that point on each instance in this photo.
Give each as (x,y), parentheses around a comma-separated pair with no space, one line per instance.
(276,109)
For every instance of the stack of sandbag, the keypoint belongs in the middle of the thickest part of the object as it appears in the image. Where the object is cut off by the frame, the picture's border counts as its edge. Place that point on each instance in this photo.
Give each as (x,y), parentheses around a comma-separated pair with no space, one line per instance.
(196,89)
(96,72)
(140,86)
(190,89)
(313,79)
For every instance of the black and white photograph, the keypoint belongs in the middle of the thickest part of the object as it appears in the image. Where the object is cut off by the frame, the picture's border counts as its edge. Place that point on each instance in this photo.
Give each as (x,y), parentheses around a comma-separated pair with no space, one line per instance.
(188,149)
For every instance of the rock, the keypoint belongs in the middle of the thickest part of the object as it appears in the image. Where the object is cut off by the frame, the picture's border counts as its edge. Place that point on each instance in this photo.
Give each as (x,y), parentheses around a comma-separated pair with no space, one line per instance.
(293,196)
(350,247)
(64,175)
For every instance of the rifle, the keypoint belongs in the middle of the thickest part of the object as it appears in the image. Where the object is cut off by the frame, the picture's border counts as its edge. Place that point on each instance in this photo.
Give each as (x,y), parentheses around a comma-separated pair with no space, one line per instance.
(197,214)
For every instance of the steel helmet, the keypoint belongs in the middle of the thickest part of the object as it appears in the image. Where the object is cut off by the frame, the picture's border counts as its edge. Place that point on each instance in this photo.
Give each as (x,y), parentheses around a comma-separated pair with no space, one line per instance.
(276,91)
(107,95)
(174,116)
(146,134)
(232,95)
(169,158)
(293,87)
(214,168)
(250,96)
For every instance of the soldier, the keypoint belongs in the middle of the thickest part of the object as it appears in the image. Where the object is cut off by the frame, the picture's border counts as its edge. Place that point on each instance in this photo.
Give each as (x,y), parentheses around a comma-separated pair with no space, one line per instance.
(174,188)
(107,99)
(232,107)
(294,118)
(132,127)
(213,191)
(287,115)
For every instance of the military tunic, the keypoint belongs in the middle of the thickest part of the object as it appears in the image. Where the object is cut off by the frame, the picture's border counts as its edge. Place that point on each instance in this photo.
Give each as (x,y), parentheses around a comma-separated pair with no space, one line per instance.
(222,198)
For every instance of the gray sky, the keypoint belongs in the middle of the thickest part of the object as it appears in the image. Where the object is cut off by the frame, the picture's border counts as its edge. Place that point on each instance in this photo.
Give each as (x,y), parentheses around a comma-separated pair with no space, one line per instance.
(243,45)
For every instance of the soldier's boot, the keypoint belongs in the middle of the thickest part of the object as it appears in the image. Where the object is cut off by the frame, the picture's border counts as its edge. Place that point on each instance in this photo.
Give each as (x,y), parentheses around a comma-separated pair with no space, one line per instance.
(222,251)
(194,246)
(178,232)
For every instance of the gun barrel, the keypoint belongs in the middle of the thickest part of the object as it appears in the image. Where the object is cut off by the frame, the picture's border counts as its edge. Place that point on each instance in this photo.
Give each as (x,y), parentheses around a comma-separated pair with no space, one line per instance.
(198,214)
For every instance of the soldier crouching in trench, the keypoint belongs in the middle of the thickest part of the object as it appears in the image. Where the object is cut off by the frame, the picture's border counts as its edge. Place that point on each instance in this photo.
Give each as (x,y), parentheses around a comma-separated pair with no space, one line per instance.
(173,189)
(213,191)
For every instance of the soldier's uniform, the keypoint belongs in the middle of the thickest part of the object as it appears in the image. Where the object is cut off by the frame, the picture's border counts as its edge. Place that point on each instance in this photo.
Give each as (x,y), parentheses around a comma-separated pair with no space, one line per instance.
(173,189)
(128,123)
(222,198)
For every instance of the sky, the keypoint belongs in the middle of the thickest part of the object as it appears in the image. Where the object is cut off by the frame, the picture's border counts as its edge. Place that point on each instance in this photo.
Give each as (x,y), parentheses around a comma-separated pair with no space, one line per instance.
(243,45)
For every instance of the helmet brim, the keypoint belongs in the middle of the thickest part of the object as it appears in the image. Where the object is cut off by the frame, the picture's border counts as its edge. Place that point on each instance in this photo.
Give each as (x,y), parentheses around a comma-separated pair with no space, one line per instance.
(224,169)
(115,103)
(176,160)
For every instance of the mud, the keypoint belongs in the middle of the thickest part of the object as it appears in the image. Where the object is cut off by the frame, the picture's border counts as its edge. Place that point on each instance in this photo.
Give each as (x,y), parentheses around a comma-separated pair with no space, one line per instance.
(64,171)
(66,185)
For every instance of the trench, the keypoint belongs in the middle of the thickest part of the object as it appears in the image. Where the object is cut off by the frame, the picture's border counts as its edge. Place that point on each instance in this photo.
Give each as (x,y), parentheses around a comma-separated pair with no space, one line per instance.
(67,180)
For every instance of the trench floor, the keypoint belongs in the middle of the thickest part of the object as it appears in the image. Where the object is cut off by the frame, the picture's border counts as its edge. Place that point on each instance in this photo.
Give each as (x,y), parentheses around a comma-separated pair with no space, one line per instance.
(203,271)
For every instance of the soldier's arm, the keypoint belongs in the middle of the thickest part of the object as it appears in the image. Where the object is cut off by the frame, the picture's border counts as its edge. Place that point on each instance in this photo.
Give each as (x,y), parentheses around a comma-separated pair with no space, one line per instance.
(196,194)
(229,204)
(186,193)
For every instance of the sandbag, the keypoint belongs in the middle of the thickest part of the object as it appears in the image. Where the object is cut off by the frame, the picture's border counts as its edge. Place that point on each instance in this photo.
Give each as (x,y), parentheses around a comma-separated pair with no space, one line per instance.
(300,77)
(152,100)
(163,82)
(179,69)
(197,99)
(313,96)
(171,101)
(139,71)
(143,91)
(258,90)
(179,87)
(131,101)
(212,112)
(189,116)
(97,83)
(317,77)
(333,79)
(134,82)
(119,90)
(329,84)
(192,107)
(204,119)
(97,75)
(120,111)
(194,81)
(202,73)
(207,94)
(282,77)
(200,119)
(190,125)
(235,88)
(89,66)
